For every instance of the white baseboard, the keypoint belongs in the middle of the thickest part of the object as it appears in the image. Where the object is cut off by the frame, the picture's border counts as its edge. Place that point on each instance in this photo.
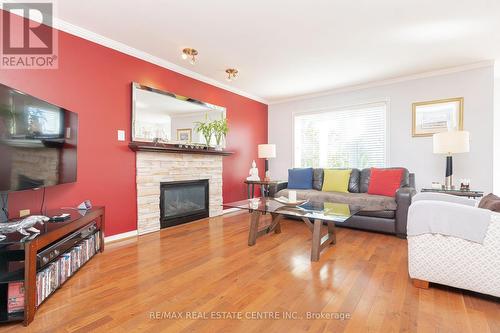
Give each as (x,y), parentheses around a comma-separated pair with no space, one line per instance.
(230,210)
(121,236)
(134,233)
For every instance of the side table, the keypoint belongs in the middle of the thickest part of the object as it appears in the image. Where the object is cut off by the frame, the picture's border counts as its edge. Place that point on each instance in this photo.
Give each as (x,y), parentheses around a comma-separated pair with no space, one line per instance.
(264,186)
(460,193)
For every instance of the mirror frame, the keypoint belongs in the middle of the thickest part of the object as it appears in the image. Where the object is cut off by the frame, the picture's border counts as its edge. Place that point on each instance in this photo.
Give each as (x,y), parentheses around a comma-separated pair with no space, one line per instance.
(169,94)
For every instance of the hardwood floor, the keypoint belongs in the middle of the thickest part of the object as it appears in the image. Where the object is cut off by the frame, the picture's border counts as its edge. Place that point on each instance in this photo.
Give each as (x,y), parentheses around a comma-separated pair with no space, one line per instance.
(207,267)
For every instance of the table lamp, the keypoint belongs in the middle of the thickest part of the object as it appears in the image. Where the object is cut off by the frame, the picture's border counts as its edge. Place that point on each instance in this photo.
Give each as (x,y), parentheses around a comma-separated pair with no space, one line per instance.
(267,151)
(448,143)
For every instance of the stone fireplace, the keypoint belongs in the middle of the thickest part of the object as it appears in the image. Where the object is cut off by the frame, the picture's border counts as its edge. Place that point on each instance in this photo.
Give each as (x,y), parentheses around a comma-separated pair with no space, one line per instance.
(155,169)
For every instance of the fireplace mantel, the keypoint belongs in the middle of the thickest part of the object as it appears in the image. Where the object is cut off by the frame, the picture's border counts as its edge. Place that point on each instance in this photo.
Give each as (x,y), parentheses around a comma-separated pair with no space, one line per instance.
(174,148)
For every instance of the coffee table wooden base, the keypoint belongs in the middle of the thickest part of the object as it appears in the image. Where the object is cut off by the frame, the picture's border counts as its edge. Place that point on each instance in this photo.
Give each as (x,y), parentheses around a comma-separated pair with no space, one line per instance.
(319,242)
(254,227)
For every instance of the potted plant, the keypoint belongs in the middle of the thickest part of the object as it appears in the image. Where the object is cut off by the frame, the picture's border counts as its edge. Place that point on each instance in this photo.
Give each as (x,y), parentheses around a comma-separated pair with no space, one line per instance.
(220,131)
(205,128)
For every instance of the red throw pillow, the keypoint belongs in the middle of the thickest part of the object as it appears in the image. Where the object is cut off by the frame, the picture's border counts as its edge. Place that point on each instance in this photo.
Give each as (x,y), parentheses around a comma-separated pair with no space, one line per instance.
(385,181)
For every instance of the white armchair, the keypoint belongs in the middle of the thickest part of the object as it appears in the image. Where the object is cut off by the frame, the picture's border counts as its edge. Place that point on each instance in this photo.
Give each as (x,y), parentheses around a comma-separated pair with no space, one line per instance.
(449,258)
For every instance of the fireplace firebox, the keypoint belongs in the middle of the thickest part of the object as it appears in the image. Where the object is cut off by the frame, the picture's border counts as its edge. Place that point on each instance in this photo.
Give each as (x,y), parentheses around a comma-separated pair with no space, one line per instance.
(183,201)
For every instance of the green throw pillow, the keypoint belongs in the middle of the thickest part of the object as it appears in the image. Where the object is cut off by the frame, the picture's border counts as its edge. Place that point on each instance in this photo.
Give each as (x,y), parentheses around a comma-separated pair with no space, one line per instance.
(336,180)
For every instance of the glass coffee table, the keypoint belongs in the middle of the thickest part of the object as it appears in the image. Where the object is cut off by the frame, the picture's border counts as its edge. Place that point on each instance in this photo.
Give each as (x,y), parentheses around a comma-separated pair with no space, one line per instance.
(312,213)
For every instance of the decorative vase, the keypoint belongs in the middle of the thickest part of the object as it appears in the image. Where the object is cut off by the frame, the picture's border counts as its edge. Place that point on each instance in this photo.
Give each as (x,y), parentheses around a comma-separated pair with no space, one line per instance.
(207,142)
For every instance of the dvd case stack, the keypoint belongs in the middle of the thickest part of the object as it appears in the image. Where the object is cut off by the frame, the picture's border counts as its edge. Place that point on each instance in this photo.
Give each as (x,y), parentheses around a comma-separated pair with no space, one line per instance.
(15,302)
(57,272)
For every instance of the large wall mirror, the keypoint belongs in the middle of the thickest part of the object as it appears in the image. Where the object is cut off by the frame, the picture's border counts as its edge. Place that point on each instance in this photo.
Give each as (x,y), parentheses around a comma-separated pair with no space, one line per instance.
(166,117)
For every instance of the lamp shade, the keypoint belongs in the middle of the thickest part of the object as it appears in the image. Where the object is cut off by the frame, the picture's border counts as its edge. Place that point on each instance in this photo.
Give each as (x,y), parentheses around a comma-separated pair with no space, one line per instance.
(267,151)
(452,142)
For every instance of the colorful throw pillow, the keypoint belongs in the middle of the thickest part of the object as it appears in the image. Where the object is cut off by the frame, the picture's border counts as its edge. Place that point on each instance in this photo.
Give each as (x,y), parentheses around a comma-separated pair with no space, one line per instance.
(491,202)
(385,181)
(300,178)
(336,180)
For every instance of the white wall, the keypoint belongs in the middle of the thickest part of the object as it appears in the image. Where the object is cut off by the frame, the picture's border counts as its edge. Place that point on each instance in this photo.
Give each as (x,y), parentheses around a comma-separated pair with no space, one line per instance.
(475,85)
(182,122)
(496,122)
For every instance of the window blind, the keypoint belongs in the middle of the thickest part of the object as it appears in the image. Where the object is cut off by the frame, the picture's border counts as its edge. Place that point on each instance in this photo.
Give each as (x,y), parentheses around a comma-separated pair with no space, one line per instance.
(48,121)
(353,137)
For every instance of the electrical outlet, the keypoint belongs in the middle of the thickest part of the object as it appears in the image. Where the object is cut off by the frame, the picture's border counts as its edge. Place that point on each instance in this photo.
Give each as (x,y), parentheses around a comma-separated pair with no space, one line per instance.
(24,212)
(121,135)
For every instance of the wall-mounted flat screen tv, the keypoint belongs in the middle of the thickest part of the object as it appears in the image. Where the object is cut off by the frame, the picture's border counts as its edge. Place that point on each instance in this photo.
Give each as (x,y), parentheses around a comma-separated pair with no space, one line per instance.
(38,142)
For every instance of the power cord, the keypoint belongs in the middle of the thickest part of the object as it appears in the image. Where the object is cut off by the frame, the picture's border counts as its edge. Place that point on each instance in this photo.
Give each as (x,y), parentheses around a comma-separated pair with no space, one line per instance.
(4,201)
(5,210)
(43,201)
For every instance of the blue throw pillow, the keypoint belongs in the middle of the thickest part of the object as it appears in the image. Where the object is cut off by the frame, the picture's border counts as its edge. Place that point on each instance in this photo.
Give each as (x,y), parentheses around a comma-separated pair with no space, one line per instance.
(300,178)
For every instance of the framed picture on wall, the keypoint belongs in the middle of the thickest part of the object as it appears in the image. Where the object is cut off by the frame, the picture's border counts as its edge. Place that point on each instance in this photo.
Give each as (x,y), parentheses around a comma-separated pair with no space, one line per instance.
(437,116)
(184,134)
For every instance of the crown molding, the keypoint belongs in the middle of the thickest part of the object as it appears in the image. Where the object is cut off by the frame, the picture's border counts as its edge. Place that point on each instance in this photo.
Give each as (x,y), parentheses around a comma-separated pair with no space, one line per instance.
(385,82)
(75,30)
(126,49)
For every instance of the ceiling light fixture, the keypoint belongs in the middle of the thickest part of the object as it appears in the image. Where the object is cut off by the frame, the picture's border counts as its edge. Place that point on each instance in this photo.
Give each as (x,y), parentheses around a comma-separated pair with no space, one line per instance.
(190,54)
(232,74)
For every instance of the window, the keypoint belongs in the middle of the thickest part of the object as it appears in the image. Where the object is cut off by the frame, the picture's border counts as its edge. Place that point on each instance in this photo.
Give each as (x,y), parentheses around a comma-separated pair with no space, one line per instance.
(353,137)
(44,122)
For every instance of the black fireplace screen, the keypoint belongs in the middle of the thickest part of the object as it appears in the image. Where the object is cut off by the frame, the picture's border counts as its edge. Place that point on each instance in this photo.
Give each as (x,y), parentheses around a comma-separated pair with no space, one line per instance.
(183,201)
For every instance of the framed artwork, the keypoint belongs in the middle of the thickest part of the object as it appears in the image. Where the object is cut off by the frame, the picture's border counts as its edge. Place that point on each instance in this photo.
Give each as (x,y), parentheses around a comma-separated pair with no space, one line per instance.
(437,116)
(184,134)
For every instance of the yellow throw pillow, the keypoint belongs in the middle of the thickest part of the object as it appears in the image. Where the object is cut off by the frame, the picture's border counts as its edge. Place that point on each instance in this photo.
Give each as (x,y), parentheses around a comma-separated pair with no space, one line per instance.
(336,180)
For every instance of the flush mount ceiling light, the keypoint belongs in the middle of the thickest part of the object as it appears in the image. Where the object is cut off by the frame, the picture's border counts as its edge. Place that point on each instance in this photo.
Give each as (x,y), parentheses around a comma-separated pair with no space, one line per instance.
(232,74)
(189,54)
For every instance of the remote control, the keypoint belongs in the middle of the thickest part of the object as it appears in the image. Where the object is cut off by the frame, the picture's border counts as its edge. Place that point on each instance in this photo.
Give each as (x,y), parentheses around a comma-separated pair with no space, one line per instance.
(60,218)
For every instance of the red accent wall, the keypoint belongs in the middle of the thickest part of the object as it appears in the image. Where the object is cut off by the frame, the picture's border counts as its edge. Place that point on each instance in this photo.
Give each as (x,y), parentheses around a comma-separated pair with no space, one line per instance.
(95,82)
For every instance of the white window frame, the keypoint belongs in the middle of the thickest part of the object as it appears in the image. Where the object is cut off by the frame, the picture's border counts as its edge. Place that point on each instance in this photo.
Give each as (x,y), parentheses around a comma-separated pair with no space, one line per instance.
(376,102)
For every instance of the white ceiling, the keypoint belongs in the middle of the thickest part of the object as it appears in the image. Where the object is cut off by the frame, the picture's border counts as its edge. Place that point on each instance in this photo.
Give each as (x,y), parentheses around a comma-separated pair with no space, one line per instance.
(288,48)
